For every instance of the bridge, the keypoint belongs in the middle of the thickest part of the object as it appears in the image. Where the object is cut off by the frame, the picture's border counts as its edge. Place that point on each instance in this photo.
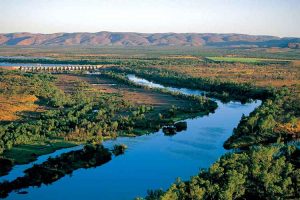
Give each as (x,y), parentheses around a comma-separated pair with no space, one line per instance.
(60,68)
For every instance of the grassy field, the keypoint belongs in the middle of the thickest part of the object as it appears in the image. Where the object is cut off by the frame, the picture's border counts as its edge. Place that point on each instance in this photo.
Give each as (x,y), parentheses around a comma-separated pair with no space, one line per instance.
(247,60)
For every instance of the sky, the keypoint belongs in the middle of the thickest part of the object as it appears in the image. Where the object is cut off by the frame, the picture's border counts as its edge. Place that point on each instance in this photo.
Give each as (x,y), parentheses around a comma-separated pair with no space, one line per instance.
(256,17)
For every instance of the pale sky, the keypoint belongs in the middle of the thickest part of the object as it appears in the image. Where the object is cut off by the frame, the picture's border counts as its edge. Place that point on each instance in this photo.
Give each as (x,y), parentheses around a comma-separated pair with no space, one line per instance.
(258,17)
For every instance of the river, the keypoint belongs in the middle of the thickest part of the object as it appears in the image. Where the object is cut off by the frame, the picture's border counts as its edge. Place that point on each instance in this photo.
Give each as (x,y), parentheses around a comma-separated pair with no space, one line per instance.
(8,64)
(151,161)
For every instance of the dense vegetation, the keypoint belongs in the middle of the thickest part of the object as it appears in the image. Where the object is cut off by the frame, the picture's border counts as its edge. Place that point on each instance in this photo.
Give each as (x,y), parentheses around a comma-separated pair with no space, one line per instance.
(261,173)
(55,168)
(276,120)
(119,149)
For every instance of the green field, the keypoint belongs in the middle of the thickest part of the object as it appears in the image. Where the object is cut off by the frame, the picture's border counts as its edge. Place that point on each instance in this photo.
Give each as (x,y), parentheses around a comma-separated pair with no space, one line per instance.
(247,60)
(26,153)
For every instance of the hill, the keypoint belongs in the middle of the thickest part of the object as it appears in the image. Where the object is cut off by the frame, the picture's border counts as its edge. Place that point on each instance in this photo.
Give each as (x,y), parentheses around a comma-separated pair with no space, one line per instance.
(146,39)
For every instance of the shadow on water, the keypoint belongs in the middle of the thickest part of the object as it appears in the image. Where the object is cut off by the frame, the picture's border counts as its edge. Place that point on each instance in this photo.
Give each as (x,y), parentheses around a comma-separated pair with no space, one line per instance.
(55,168)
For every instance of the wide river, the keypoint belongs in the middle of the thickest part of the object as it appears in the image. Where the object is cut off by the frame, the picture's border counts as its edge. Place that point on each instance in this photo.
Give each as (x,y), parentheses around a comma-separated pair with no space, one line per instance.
(151,161)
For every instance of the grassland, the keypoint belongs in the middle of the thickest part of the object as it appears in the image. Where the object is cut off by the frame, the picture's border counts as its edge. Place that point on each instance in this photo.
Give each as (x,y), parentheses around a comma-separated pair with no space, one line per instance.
(247,60)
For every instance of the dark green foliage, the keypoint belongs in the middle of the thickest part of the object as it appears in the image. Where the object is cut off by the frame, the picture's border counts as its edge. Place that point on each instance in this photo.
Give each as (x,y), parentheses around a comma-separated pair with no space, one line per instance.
(119,149)
(180,126)
(261,173)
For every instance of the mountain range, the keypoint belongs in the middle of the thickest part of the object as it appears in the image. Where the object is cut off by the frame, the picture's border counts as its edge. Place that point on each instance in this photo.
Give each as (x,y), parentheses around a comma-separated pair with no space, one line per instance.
(146,39)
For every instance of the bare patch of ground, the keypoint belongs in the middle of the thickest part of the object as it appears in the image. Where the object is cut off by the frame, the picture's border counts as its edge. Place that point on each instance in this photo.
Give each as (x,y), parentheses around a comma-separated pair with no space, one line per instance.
(10,106)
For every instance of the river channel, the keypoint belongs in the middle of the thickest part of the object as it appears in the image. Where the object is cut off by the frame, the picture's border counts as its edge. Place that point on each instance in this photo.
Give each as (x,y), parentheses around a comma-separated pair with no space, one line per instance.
(151,161)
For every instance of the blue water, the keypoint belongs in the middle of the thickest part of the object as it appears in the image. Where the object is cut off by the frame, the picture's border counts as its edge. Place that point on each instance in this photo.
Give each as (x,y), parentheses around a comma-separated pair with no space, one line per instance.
(25,57)
(151,161)
(8,64)
(151,84)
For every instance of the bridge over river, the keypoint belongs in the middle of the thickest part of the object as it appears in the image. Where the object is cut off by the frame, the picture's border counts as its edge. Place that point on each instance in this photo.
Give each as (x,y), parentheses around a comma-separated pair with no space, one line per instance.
(60,68)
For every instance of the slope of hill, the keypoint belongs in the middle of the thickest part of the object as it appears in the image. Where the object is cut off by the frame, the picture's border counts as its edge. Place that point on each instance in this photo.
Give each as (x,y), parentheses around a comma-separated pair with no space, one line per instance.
(145,39)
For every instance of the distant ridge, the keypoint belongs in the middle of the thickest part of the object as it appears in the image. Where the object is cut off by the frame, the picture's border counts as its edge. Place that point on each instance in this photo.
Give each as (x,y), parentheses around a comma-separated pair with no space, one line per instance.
(146,39)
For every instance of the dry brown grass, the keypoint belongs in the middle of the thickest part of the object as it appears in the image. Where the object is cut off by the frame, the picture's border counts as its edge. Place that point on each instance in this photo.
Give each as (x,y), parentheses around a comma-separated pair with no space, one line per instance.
(289,128)
(296,63)
(9,68)
(137,96)
(10,106)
